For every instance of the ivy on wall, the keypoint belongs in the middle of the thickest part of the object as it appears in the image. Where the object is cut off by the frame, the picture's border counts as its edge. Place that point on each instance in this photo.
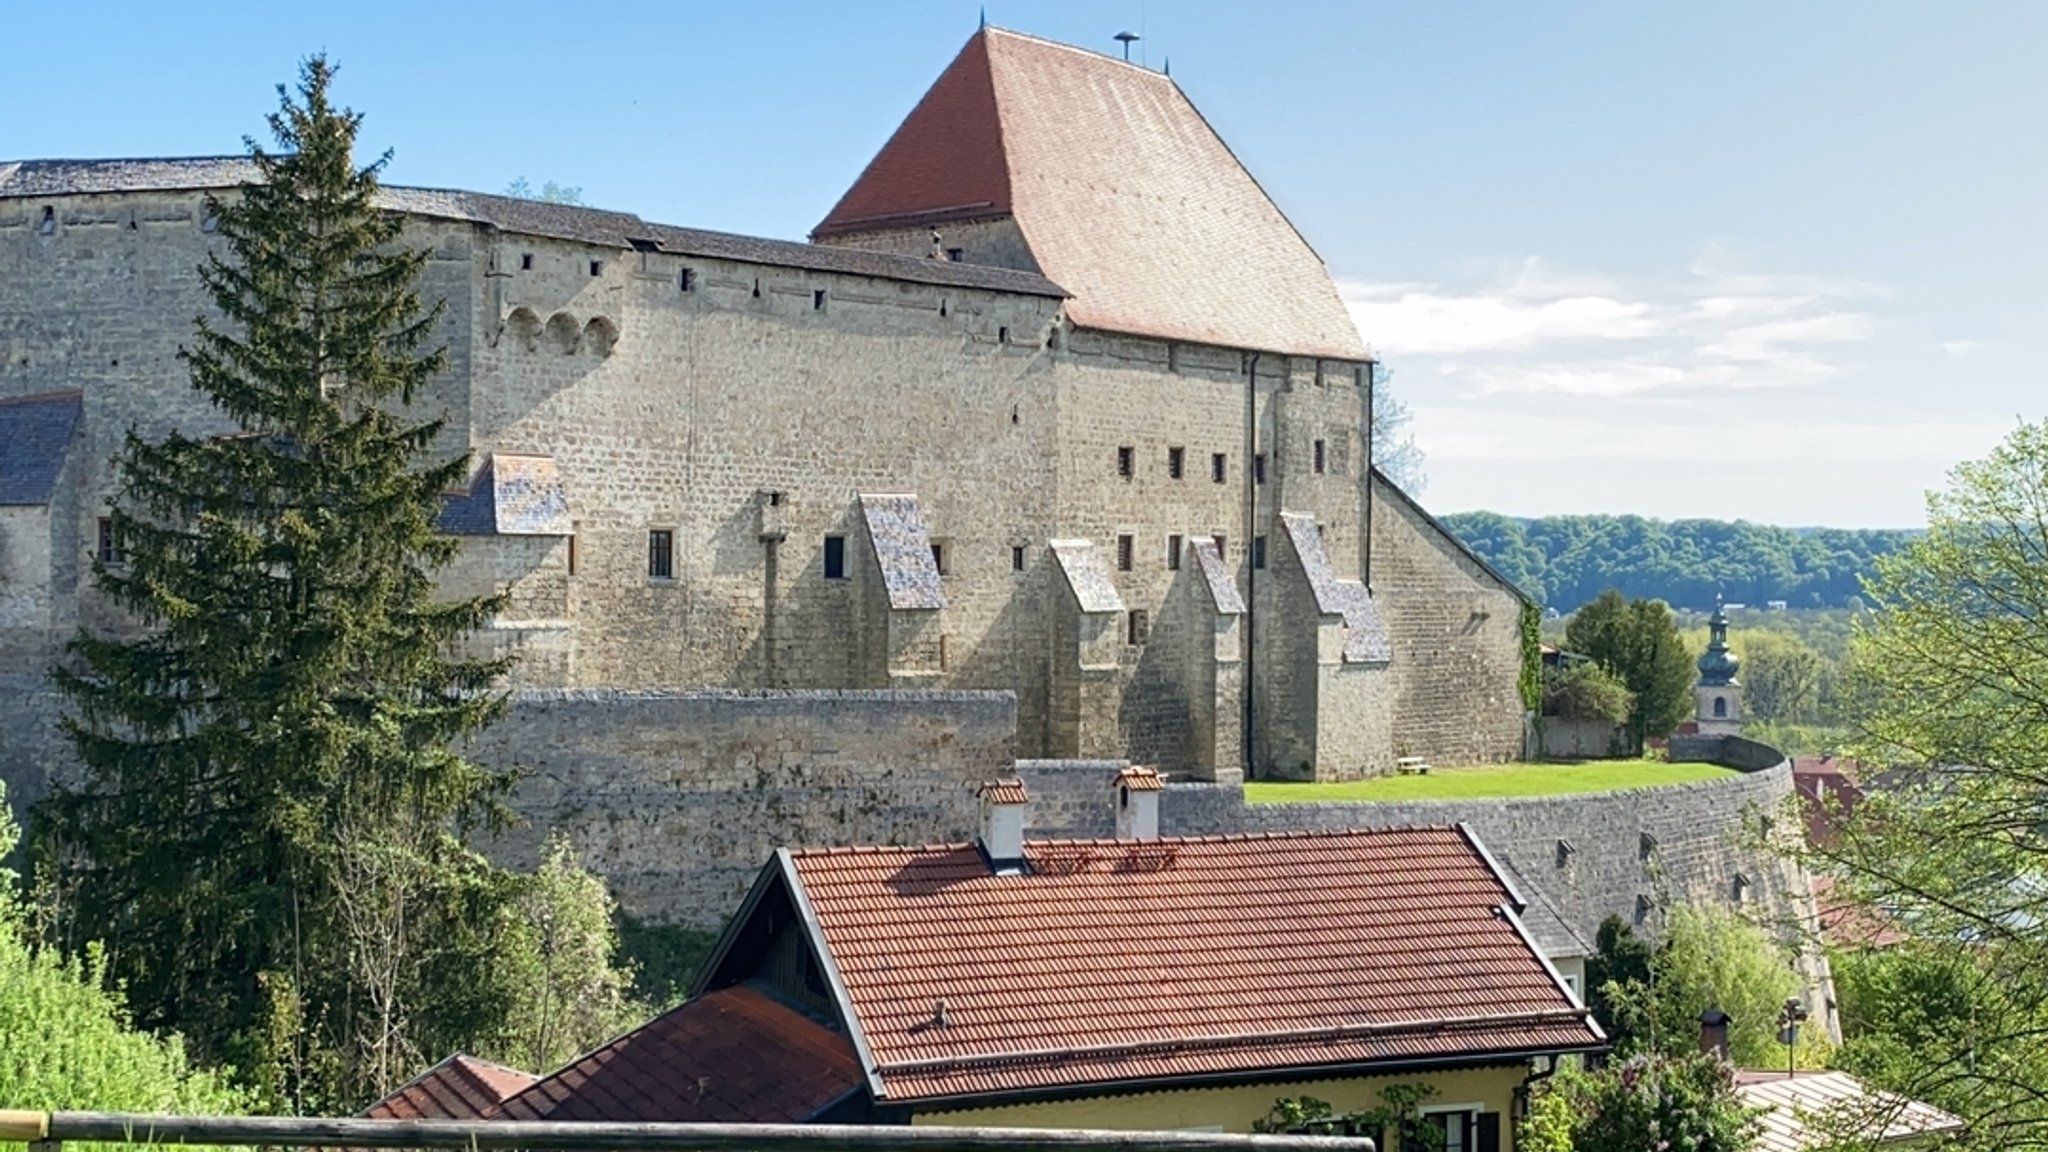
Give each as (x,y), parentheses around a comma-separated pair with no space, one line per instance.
(1531,683)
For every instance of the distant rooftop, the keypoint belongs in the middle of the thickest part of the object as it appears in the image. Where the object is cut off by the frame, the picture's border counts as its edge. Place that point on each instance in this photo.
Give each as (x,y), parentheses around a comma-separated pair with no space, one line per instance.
(31,179)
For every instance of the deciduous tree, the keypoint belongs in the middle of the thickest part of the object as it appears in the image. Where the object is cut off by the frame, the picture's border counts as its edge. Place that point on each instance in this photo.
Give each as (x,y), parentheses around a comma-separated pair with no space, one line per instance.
(1638,642)
(1952,673)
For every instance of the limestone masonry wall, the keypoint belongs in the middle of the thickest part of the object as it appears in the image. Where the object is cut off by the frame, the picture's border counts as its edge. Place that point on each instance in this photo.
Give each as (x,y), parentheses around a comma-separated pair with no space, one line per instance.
(678,798)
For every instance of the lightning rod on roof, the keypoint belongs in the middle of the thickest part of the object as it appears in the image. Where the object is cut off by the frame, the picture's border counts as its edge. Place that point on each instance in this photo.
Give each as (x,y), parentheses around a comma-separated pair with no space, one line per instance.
(1126,37)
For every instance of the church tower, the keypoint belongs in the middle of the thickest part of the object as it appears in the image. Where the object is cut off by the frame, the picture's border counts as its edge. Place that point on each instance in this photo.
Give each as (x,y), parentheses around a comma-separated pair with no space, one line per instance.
(1718,695)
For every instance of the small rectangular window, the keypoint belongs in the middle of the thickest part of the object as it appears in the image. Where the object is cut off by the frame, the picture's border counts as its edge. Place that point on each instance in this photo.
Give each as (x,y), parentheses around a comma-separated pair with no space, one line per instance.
(818,300)
(526,261)
(1126,462)
(1219,465)
(1222,545)
(107,549)
(1123,553)
(835,557)
(1258,551)
(1139,627)
(1003,334)
(661,554)
(1322,457)
(1176,463)
(575,530)
(939,555)
(956,255)
(1173,553)
(1259,468)
(1017,558)
(686,280)
(597,267)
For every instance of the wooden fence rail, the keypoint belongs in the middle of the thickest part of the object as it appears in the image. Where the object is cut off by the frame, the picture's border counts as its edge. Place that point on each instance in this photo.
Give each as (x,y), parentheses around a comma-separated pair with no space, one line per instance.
(47,1131)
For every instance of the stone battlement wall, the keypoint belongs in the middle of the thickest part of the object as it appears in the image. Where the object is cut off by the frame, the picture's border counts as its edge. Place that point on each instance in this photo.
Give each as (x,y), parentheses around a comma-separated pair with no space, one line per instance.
(678,798)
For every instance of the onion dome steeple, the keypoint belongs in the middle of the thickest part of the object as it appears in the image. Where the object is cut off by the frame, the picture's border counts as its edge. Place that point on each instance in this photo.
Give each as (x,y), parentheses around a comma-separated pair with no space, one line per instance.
(1717,664)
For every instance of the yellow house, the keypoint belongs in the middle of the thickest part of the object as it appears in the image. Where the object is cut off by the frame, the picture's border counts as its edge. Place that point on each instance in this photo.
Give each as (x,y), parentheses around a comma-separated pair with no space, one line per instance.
(1135,983)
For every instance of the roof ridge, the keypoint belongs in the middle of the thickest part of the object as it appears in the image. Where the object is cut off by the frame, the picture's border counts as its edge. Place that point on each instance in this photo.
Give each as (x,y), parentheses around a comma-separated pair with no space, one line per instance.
(1113,841)
(44,397)
(1051,43)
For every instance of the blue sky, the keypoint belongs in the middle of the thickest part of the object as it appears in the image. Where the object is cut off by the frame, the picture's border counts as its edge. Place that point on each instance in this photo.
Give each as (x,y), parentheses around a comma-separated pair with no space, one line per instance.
(1785,262)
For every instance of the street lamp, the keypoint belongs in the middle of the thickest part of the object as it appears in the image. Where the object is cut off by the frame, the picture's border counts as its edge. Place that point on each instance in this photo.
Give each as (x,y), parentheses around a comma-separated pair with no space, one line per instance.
(1789,1019)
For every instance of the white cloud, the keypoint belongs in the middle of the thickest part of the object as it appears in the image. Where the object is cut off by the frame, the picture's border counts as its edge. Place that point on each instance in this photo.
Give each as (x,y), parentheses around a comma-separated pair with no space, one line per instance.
(1526,330)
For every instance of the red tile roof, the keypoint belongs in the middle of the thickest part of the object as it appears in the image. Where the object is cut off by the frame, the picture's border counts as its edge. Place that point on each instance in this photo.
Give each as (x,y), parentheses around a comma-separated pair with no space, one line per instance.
(1010,791)
(458,1088)
(1139,778)
(731,1056)
(1118,961)
(1125,195)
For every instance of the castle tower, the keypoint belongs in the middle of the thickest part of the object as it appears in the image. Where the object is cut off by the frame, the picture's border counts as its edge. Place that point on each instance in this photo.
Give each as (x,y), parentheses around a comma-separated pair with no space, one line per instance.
(1718,694)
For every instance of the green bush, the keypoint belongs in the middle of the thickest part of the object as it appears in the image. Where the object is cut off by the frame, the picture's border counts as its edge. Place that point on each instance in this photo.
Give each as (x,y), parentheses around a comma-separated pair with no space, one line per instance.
(1585,692)
(66,1042)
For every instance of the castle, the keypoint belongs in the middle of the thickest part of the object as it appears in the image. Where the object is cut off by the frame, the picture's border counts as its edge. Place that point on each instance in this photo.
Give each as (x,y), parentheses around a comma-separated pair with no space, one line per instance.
(1056,402)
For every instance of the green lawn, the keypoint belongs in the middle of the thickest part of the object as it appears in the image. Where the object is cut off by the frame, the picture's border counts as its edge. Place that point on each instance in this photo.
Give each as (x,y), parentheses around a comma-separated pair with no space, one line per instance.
(1547,779)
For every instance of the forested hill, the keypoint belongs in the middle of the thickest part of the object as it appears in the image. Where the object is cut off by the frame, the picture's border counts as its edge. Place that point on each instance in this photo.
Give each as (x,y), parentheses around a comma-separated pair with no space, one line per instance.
(1565,561)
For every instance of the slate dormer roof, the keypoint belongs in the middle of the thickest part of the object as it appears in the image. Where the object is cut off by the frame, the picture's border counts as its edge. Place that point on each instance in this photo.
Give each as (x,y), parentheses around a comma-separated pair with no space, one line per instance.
(1124,194)
(1365,633)
(512,495)
(35,437)
(903,550)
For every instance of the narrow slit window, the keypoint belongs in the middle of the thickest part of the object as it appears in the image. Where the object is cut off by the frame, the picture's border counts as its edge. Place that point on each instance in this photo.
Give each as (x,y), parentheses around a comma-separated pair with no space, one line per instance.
(1259,468)
(1219,466)
(1176,463)
(1173,545)
(1123,553)
(1003,335)
(1222,545)
(575,532)
(686,280)
(597,267)
(1322,457)
(108,548)
(1017,558)
(1139,627)
(835,557)
(818,300)
(1258,551)
(940,554)
(661,554)
(1126,462)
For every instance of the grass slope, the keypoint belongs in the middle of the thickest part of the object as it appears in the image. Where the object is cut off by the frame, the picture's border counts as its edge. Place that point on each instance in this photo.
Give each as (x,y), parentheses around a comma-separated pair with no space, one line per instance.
(1492,780)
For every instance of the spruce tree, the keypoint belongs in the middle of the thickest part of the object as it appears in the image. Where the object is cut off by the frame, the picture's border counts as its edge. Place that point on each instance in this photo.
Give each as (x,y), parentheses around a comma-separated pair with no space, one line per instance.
(266,833)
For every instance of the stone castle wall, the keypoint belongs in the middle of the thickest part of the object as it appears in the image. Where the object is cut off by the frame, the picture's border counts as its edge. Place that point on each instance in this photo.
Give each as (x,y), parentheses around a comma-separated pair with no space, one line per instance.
(678,798)
(695,394)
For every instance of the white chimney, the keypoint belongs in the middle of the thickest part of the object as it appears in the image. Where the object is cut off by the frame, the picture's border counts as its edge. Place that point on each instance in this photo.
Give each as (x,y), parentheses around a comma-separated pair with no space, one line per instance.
(1137,791)
(1004,804)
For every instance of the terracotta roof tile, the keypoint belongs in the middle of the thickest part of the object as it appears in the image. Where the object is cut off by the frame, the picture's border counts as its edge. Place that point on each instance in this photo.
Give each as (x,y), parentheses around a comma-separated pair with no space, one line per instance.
(1139,778)
(458,1088)
(1124,193)
(1010,791)
(731,1056)
(1113,961)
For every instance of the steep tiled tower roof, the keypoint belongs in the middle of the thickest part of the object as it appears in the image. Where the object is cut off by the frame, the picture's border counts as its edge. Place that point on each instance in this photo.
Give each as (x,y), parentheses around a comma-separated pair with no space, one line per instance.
(1124,194)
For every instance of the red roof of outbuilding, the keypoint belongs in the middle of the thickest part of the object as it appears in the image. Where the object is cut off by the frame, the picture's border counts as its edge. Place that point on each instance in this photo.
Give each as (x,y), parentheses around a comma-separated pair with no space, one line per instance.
(1118,961)
(1125,196)
(731,1056)
(458,1088)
